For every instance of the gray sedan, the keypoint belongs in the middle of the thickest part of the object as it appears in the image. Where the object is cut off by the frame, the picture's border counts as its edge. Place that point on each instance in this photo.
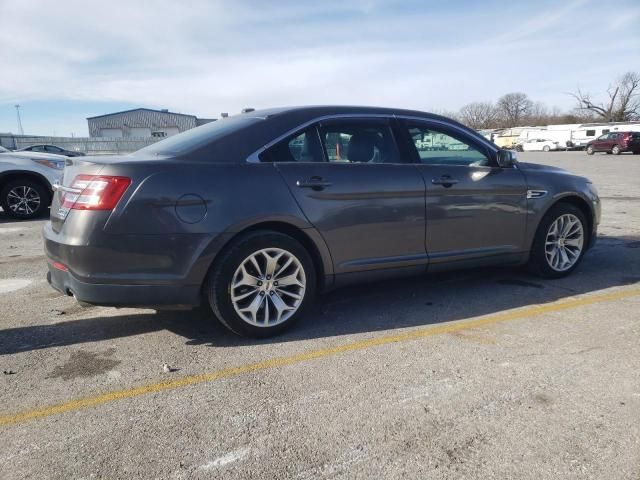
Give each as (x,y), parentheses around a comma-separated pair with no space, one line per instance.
(253,215)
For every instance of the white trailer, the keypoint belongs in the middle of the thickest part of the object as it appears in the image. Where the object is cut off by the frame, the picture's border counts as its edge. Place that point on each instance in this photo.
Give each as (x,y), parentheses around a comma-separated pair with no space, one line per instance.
(590,131)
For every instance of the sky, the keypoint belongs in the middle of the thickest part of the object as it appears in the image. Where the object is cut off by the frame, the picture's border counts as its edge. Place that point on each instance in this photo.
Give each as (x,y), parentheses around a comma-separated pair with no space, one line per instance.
(66,60)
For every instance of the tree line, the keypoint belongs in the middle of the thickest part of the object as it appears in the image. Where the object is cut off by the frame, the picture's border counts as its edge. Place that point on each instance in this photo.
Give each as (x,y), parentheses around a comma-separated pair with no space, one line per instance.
(621,104)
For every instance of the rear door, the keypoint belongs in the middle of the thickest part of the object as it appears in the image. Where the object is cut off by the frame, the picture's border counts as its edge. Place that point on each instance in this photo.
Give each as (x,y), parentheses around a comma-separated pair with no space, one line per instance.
(474,208)
(354,186)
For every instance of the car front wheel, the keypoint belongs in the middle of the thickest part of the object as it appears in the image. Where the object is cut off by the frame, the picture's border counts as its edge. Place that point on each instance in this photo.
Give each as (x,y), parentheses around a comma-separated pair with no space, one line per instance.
(589,150)
(24,199)
(560,242)
(262,284)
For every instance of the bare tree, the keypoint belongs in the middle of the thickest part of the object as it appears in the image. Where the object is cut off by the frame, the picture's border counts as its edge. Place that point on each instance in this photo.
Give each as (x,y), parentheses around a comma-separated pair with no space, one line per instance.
(513,108)
(478,115)
(623,103)
(538,114)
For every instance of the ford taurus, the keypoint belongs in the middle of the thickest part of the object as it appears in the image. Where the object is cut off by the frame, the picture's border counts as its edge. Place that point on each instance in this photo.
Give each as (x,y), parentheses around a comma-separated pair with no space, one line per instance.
(253,215)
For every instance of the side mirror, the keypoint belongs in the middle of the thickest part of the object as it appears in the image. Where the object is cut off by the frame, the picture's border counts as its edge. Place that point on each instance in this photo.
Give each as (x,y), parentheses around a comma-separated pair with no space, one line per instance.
(506,158)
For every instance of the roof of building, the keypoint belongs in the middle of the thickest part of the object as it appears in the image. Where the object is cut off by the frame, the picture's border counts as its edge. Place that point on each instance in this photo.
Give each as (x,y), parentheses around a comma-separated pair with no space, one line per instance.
(138,109)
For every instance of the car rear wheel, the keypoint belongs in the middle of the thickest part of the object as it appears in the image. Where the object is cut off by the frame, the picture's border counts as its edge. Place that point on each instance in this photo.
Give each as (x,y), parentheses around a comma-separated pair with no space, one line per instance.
(590,150)
(546,148)
(560,242)
(262,284)
(615,150)
(24,199)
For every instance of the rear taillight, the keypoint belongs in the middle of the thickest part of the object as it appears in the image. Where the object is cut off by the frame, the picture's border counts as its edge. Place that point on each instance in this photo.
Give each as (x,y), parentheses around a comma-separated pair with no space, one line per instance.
(94,192)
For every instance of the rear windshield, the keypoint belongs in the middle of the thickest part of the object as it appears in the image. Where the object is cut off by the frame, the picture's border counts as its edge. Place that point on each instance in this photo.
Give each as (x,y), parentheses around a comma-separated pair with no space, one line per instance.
(190,140)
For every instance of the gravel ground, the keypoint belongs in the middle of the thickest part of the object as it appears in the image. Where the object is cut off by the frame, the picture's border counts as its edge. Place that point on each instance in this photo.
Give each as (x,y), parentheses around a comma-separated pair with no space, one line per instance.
(542,395)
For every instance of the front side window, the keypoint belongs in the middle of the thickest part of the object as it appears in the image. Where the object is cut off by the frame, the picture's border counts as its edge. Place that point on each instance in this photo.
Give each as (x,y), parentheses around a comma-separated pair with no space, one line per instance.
(438,148)
(301,147)
(359,141)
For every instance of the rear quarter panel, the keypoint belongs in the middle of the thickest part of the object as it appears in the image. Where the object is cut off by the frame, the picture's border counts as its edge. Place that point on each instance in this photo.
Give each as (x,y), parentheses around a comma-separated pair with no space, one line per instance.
(189,211)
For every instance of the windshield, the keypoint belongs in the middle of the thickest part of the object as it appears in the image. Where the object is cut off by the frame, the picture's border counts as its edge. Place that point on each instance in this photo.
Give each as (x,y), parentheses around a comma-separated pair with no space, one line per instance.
(197,137)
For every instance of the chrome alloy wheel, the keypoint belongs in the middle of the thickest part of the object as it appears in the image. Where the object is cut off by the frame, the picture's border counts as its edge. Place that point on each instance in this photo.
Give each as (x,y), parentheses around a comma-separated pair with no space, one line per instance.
(564,242)
(23,200)
(268,287)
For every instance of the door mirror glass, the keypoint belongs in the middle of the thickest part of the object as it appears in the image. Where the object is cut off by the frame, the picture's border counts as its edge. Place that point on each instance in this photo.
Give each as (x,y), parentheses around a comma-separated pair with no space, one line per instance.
(506,158)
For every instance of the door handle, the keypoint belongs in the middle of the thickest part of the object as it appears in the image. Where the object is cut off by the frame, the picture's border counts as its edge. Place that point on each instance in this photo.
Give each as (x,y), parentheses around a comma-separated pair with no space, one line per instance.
(315,183)
(446,181)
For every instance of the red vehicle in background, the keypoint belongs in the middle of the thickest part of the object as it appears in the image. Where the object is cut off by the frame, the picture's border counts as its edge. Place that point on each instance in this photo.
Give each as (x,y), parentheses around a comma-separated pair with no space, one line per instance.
(616,143)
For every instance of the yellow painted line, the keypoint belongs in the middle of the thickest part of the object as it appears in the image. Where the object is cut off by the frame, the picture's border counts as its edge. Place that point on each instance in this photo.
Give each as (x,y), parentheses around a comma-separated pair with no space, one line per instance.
(430,331)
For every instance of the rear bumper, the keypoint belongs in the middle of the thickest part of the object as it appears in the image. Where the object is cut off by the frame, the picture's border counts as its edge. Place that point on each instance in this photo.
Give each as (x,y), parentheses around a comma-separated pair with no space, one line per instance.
(130,270)
(123,295)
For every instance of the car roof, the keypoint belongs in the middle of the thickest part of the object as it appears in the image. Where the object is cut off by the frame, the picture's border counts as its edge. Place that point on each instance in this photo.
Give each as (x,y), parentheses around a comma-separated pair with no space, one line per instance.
(323,110)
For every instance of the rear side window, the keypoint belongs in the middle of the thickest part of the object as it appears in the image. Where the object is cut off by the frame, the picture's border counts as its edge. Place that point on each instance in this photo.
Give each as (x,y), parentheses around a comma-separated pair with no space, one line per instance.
(359,141)
(591,133)
(301,147)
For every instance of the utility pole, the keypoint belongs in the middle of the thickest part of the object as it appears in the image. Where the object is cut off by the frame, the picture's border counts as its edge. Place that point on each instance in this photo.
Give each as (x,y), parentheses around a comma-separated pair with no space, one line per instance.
(20,130)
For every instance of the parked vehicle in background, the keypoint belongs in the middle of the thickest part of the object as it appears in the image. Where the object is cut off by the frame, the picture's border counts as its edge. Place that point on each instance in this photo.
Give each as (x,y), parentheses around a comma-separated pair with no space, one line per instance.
(539,145)
(585,133)
(26,180)
(51,149)
(615,143)
(254,214)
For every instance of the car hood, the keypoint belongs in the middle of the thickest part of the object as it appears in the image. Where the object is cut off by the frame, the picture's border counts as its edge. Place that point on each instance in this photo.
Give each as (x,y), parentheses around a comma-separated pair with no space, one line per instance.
(528,167)
(35,155)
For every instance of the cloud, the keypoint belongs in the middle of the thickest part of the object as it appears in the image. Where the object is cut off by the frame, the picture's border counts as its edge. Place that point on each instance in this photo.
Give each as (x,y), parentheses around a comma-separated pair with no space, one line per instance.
(207,57)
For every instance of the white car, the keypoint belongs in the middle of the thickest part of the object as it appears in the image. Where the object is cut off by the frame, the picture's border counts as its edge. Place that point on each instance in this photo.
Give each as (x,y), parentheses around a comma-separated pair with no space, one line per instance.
(540,145)
(26,180)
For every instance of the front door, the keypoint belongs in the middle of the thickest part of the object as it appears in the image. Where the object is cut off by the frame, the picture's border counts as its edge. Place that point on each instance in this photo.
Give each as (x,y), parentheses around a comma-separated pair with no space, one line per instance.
(355,188)
(474,208)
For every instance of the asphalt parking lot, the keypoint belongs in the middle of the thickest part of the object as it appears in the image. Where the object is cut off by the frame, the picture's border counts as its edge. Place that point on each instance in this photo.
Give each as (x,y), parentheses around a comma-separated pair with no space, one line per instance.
(487,374)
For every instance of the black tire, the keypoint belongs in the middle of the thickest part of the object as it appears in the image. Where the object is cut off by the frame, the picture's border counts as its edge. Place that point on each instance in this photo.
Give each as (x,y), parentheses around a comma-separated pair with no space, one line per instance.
(218,284)
(615,150)
(538,263)
(36,191)
(590,150)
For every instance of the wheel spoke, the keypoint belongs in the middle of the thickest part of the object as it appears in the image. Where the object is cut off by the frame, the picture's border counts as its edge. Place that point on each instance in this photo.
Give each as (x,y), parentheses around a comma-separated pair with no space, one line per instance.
(242,296)
(246,279)
(283,268)
(573,242)
(291,294)
(279,305)
(253,307)
(272,262)
(256,265)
